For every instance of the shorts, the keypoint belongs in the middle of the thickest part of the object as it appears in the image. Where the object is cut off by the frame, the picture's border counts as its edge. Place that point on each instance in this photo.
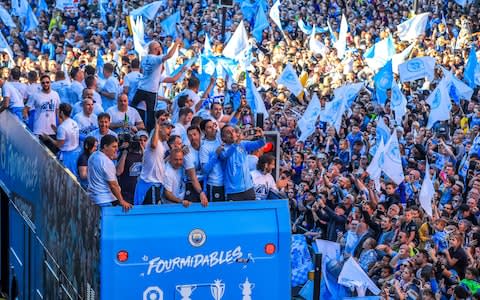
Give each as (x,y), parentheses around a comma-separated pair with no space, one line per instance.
(215,193)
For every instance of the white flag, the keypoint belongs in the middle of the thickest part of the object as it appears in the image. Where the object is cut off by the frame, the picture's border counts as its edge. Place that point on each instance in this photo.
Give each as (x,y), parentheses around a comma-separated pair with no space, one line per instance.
(275,14)
(392,164)
(148,11)
(237,43)
(352,275)
(341,44)
(376,165)
(315,45)
(398,103)
(427,192)
(440,103)
(307,123)
(417,68)
(399,58)
(412,28)
(334,111)
(290,80)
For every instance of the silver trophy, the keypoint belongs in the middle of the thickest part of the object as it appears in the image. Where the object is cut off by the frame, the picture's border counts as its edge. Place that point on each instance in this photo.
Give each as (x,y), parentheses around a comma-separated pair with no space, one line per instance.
(186,290)
(217,289)
(247,288)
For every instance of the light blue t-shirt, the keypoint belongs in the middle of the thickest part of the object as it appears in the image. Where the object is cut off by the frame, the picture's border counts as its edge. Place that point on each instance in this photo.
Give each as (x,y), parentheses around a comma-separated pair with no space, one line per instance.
(152,73)
(207,151)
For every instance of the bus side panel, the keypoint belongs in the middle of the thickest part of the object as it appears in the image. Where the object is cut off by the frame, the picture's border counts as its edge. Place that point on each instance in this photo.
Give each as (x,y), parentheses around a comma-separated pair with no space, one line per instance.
(18,256)
(174,252)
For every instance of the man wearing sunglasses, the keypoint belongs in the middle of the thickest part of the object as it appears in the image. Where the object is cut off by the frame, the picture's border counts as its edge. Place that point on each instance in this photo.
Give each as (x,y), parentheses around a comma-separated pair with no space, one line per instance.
(46,103)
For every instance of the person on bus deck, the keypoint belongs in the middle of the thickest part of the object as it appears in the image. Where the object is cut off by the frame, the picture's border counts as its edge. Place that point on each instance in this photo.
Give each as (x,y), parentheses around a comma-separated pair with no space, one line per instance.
(150,181)
(233,155)
(194,191)
(67,138)
(125,119)
(263,181)
(174,185)
(90,145)
(211,166)
(103,187)
(103,127)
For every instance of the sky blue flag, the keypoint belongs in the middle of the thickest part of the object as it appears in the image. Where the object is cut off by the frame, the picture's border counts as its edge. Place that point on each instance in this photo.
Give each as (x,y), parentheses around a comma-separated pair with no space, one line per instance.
(207,46)
(307,123)
(380,53)
(6,18)
(440,104)
(261,23)
(254,99)
(248,11)
(332,34)
(148,11)
(333,112)
(31,22)
(458,90)
(383,82)
(398,103)
(348,92)
(19,7)
(102,6)
(472,63)
(42,6)
(169,25)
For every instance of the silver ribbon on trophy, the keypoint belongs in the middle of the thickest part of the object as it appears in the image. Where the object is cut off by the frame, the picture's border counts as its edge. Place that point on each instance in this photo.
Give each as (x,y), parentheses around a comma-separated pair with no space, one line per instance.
(217,289)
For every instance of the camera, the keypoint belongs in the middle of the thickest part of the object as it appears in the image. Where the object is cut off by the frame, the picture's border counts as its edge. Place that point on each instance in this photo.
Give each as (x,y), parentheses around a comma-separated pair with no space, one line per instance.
(249,132)
(133,142)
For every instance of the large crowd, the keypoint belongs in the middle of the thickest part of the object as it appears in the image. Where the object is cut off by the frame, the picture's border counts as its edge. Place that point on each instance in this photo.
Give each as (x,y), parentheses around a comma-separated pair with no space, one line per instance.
(152,126)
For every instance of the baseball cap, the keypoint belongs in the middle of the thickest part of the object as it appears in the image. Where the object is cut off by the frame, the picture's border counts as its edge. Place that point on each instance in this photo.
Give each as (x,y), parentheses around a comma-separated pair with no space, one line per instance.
(141,133)
(167,123)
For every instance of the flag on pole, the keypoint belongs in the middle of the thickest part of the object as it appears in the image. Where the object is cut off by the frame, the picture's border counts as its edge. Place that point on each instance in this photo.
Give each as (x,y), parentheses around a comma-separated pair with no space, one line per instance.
(237,43)
(380,53)
(261,23)
(6,18)
(254,99)
(207,46)
(137,27)
(169,25)
(399,58)
(461,90)
(307,122)
(31,22)
(398,103)
(427,192)
(315,45)
(375,167)
(417,68)
(382,131)
(148,11)
(348,92)
(412,28)
(470,68)
(290,80)
(440,104)
(392,163)
(352,275)
(275,14)
(334,111)
(341,44)
(383,82)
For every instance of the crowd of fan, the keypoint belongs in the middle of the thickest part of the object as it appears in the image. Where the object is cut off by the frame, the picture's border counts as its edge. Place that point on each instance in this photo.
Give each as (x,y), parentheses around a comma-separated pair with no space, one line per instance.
(200,142)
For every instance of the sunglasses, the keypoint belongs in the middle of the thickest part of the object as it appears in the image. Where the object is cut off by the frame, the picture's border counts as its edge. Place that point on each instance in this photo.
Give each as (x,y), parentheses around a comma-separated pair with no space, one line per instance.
(45,82)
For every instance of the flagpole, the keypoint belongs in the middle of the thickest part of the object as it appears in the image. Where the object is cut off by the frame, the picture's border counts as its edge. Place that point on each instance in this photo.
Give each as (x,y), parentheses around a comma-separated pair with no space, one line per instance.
(224,18)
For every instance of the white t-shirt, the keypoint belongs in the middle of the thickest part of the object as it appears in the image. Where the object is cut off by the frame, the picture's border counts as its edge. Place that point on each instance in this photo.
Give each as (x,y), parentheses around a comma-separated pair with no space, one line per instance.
(45,106)
(152,73)
(262,183)
(16,99)
(191,95)
(101,170)
(117,116)
(21,87)
(86,124)
(181,131)
(174,182)
(192,161)
(153,170)
(131,80)
(68,131)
